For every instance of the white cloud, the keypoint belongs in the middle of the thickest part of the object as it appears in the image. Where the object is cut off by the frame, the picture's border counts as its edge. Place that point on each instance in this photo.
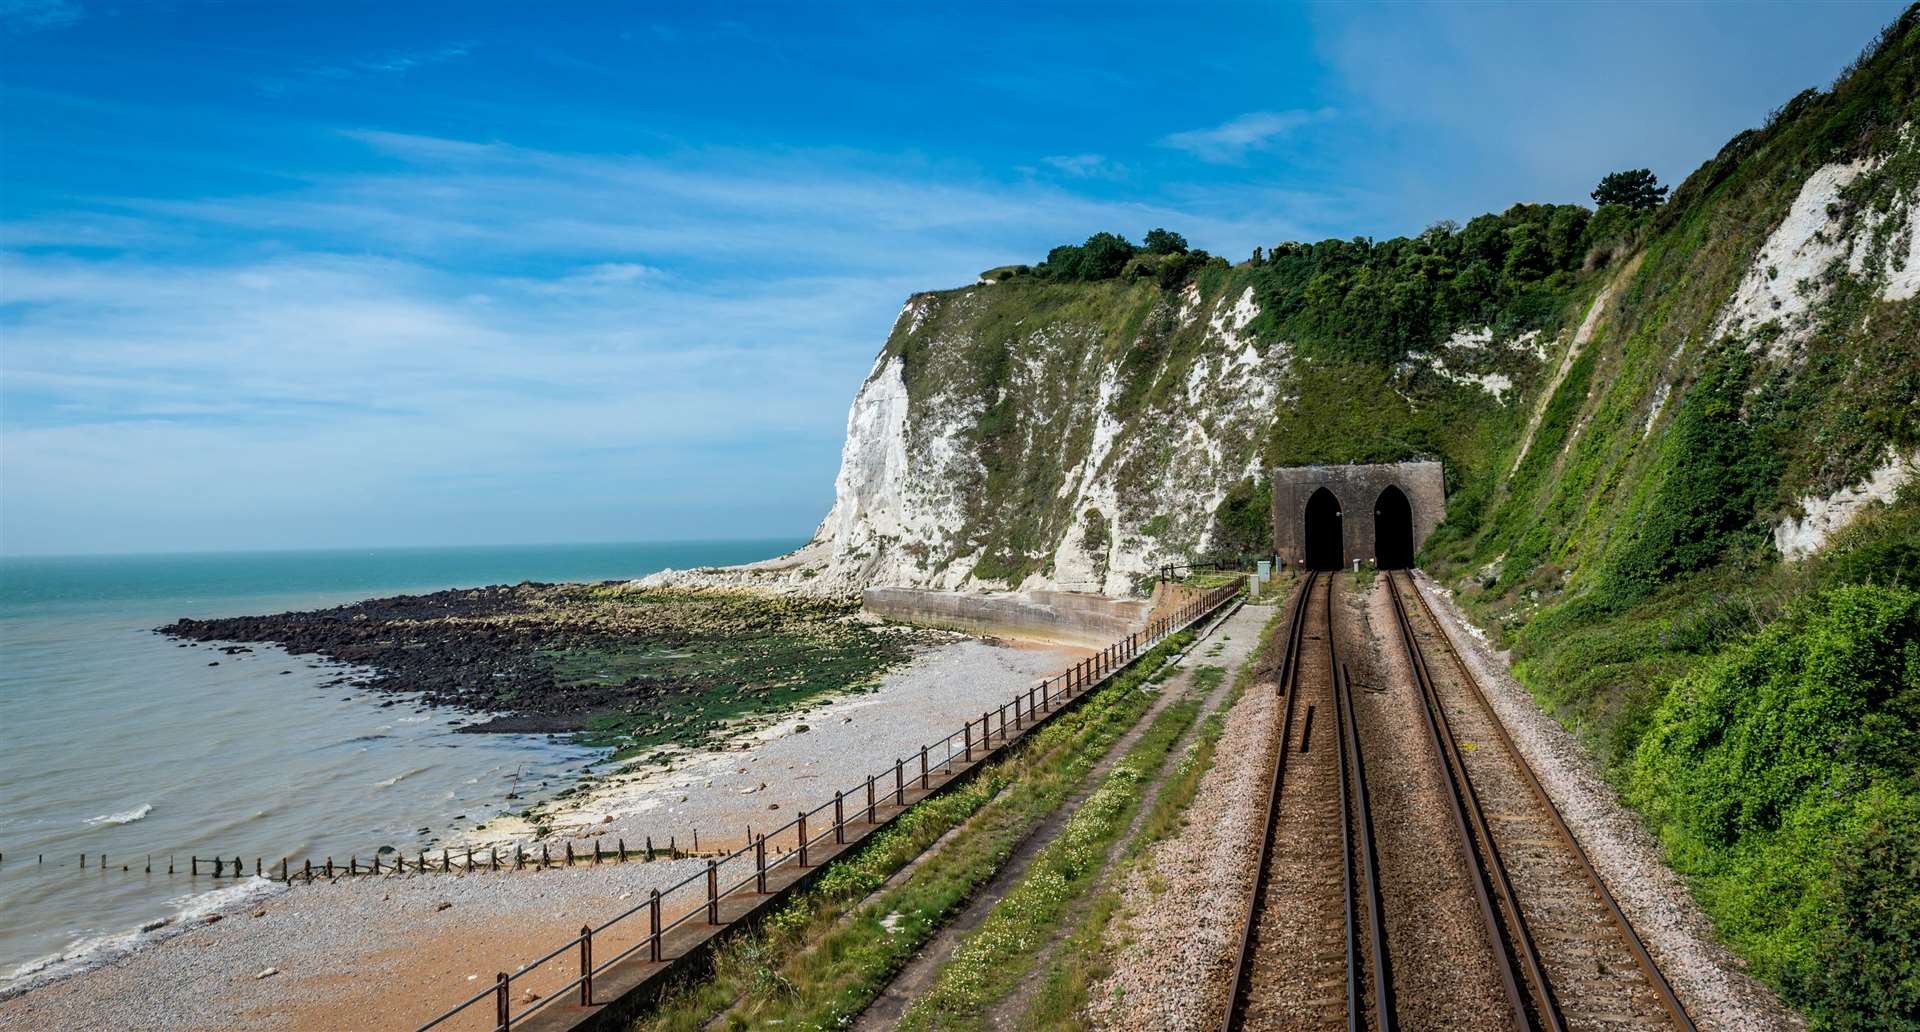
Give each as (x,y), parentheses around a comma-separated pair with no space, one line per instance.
(1231,141)
(1085,166)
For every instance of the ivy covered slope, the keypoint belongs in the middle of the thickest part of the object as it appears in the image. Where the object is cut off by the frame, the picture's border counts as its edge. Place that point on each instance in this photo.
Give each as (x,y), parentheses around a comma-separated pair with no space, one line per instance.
(1703,543)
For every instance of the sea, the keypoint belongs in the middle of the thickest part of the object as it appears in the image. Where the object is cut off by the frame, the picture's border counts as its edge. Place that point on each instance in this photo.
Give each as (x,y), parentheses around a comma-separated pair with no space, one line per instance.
(116,740)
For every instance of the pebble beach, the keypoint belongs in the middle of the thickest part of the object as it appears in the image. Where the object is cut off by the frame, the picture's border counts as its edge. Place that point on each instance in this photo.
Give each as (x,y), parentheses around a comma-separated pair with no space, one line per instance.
(304,957)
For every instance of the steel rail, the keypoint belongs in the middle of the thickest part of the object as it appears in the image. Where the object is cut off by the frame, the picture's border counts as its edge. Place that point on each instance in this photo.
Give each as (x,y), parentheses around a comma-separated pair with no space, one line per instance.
(1470,823)
(1289,664)
(1655,979)
(1387,1017)
(1342,736)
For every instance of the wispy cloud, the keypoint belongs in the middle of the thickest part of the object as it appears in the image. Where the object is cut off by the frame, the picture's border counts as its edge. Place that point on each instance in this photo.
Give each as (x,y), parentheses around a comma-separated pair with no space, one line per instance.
(20,16)
(1085,166)
(1232,140)
(494,322)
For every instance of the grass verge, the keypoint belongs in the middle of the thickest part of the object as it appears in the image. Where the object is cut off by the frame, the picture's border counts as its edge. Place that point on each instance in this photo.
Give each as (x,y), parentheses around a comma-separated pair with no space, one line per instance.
(990,964)
(1086,958)
(824,956)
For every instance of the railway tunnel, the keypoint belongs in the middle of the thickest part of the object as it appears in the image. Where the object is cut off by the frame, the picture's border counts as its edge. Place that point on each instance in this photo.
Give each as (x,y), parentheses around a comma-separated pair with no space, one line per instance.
(1320,533)
(1327,517)
(1393,530)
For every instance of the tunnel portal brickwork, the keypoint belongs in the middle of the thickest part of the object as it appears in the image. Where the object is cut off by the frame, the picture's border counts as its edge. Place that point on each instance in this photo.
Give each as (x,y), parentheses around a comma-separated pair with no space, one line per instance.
(1358,490)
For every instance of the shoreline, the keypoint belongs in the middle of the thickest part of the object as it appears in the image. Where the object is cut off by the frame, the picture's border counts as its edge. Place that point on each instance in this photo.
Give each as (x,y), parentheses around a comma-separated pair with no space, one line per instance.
(717,788)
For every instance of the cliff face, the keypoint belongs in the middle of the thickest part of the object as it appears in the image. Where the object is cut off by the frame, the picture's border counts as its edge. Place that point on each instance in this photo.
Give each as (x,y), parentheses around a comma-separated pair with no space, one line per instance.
(1035,435)
(1041,433)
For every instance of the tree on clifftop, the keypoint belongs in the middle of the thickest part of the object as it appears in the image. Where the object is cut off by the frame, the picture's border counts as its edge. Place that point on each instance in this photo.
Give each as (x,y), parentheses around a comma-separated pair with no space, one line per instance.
(1636,188)
(1165,241)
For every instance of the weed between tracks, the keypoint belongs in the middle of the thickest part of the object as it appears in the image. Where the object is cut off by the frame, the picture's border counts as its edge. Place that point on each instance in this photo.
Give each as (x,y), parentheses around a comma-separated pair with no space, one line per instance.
(824,956)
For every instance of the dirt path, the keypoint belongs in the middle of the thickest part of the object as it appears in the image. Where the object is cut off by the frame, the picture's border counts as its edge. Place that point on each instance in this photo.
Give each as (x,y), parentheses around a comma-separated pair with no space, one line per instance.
(918,975)
(1228,649)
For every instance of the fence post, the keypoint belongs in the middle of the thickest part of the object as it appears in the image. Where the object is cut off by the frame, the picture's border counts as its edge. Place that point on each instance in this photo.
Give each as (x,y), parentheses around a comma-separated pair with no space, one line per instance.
(803,838)
(968,732)
(839,822)
(653,923)
(923,768)
(500,1002)
(1003,722)
(713,893)
(869,799)
(586,965)
(760,865)
(1017,722)
(899,784)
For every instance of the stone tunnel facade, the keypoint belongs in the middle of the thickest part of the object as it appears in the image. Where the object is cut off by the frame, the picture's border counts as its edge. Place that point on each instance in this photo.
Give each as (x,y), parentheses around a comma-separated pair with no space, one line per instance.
(1301,536)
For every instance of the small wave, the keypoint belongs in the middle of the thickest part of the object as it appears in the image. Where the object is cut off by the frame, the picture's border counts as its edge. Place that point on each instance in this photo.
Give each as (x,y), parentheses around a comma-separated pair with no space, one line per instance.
(397,778)
(87,954)
(124,816)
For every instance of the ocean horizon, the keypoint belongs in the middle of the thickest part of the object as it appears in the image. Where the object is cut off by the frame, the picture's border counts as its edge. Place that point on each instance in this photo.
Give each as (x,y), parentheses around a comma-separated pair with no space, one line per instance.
(120,741)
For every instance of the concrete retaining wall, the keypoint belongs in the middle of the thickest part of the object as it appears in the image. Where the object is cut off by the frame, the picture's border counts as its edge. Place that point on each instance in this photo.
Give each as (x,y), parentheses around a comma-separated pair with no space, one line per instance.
(1067,617)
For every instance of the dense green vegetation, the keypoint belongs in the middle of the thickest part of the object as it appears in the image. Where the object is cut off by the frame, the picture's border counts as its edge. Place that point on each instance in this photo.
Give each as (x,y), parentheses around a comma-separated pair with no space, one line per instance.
(1784,774)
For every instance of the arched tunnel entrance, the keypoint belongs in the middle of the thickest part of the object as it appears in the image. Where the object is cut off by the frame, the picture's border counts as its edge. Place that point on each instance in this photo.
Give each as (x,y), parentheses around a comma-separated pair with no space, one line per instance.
(1393,530)
(1322,539)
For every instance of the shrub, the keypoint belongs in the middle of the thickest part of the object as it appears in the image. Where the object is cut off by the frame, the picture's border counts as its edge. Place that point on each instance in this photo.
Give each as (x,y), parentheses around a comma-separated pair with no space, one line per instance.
(1243,523)
(1784,778)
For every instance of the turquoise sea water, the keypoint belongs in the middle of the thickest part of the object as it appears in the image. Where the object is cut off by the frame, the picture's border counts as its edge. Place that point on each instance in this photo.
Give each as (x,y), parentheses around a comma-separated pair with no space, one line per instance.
(116,740)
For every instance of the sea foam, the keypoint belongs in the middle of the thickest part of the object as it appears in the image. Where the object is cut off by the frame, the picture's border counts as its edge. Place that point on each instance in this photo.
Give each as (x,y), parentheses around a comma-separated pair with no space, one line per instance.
(87,954)
(124,816)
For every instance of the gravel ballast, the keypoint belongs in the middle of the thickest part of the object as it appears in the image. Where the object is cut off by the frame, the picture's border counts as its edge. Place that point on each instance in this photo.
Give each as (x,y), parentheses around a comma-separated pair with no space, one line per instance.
(1707,978)
(1173,940)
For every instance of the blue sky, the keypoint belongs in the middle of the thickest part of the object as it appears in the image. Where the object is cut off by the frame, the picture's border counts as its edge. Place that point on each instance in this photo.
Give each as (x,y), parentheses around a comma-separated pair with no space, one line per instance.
(275,275)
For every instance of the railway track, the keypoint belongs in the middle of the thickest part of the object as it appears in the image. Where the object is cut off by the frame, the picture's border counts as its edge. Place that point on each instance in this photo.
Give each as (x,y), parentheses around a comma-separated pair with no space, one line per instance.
(1568,959)
(1313,953)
